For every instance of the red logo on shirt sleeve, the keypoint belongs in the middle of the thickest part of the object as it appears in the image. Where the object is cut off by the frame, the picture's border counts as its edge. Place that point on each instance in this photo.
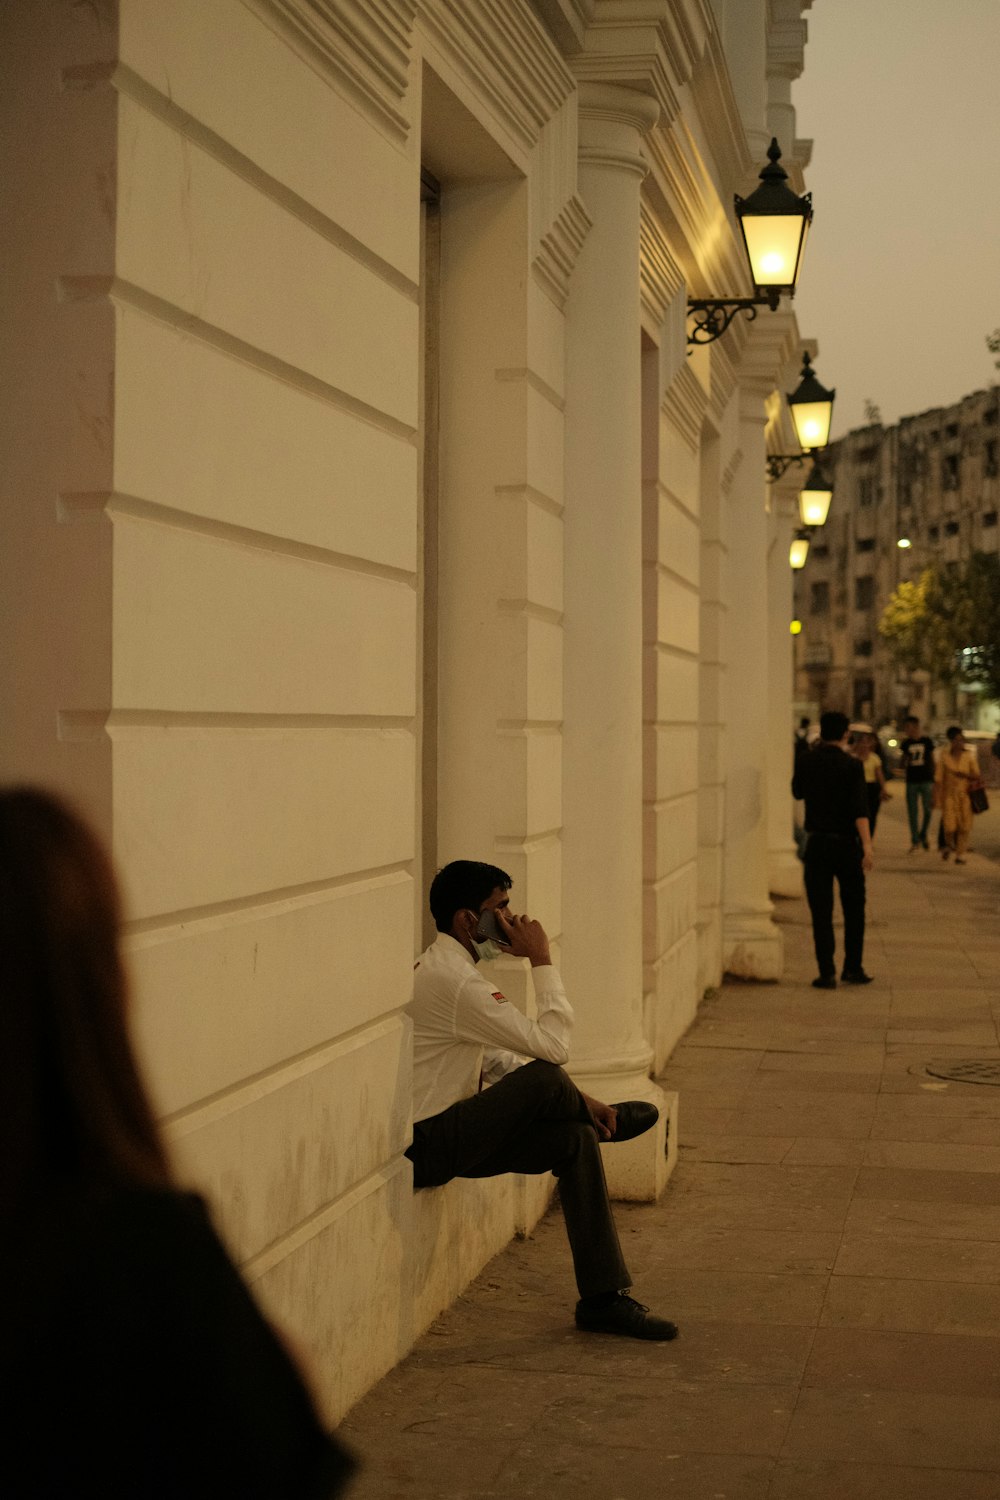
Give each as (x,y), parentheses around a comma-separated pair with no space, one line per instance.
(500,999)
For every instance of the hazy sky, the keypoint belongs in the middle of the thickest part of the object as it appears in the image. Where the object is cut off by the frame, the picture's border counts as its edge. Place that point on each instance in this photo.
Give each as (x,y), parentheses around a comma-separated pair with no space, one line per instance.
(901,276)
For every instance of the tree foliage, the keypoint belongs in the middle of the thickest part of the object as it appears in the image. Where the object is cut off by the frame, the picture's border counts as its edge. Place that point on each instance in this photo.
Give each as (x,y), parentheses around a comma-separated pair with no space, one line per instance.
(982,649)
(947,623)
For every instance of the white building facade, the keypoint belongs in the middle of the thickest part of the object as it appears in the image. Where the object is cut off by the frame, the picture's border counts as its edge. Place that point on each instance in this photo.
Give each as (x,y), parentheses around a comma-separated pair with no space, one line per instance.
(364,508)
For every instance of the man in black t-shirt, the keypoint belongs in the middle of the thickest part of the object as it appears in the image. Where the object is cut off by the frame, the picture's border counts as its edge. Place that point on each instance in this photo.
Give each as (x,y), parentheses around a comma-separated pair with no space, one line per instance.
(917,760)
(838,846)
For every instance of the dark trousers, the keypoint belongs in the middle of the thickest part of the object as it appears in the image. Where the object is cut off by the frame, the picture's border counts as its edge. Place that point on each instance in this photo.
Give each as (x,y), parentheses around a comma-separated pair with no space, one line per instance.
(919,794)
(829,858)
(874,794)
(534,1120)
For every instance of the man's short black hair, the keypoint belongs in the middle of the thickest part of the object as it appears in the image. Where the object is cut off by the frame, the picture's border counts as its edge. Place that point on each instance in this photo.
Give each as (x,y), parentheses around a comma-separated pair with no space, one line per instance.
(833,725)
(805,721)
(911,719)
(952,731)
(465,883)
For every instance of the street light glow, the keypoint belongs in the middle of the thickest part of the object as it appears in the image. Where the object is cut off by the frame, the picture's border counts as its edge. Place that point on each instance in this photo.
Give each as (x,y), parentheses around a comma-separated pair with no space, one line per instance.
(904,542)
(796,627)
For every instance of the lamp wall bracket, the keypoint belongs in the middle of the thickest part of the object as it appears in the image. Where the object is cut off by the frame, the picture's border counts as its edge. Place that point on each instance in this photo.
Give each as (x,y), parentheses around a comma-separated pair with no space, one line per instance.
(778,464)
(713,315)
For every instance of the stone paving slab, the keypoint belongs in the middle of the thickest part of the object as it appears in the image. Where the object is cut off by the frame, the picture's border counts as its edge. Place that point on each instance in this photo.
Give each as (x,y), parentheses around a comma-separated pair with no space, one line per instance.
(829,1244)
(937,1364)
(854,1481)
(896,1427)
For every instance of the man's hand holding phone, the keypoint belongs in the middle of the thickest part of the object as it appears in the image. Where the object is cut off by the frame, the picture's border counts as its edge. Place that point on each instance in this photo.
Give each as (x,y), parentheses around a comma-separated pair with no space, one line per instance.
(525,937)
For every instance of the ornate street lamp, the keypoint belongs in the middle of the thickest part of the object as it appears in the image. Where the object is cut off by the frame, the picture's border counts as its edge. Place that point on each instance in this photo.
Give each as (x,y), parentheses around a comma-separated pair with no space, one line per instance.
(811,406)
(774,222)
(815,496)
(799,550)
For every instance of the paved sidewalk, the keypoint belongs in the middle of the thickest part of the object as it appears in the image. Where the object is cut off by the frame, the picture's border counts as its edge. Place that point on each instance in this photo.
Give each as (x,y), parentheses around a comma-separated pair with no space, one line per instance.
(829,1244)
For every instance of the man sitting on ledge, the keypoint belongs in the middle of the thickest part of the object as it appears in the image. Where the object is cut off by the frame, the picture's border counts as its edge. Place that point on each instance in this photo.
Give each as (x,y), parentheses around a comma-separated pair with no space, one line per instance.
(532,1118)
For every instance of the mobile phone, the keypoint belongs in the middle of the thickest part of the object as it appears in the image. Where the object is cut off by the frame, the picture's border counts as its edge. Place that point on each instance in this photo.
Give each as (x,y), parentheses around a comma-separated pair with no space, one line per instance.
(489,927)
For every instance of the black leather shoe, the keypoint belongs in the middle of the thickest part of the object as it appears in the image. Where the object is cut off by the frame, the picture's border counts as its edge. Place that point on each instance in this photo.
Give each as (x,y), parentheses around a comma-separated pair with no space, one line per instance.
(825,982)
(635,1117)
(622,1314)
(856,976)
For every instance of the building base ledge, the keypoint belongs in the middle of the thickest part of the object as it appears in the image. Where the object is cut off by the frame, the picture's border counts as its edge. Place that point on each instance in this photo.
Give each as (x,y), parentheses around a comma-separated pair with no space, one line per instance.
(637,1170)
(752,948)
(784,873)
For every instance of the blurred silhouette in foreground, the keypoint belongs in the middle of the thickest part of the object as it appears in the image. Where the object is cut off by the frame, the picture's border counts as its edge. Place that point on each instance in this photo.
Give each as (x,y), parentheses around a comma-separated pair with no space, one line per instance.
(133,1360)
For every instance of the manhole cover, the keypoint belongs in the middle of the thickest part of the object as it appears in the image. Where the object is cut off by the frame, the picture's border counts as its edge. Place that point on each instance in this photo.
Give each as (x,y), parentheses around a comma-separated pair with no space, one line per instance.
(967,1070)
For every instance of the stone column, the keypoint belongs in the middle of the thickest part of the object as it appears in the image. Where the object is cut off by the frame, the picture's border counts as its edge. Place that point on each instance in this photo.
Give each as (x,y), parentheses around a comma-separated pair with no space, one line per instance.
(752,946)
(602,733)
(784,868)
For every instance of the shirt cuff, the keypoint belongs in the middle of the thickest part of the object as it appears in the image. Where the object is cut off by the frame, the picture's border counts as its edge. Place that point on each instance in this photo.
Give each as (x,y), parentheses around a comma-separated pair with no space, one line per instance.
(542,972)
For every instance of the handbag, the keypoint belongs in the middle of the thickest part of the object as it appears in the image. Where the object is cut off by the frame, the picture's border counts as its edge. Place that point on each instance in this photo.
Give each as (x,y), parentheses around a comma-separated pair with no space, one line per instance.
(978,798)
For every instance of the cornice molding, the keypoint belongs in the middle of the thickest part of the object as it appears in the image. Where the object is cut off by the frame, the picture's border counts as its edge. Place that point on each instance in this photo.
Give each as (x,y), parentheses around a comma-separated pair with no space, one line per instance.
(786,45)
(645,45)
(503,52)
(362,45)
(721,120)
(703,239)
(567,20)
(679,30)
(685,404)
(642,72)
(559,248)
(773,340)
(660,277)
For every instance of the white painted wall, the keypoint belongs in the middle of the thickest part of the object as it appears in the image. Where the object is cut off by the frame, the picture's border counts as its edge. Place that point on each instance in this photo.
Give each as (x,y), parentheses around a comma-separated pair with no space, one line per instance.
(212,513)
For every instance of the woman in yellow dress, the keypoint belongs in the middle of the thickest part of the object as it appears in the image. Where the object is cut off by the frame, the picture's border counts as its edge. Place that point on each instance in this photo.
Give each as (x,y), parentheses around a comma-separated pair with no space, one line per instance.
(865,748)
(957,766)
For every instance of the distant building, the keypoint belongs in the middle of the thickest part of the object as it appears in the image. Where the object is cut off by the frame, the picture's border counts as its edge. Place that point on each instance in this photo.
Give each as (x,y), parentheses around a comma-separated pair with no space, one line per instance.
(931,480)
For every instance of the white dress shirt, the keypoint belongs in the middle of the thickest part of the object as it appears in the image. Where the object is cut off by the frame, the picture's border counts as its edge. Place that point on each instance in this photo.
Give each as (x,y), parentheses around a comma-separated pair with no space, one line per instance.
(465,1030)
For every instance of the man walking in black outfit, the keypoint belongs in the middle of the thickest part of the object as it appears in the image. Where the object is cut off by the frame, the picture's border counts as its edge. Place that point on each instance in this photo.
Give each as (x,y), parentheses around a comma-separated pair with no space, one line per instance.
(838,846)
(529,1116)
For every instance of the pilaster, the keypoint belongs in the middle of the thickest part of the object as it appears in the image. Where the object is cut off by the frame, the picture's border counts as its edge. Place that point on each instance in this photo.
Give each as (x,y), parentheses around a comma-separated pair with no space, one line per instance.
(602,730)
(784,868)
(752,946)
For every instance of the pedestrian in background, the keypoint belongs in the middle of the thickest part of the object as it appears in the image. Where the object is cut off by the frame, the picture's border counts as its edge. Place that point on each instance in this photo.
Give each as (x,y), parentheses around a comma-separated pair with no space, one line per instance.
(801,746)
(917,761)
(133,1362)
(957,769)
(838,847)
(865,748)
(801,742)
